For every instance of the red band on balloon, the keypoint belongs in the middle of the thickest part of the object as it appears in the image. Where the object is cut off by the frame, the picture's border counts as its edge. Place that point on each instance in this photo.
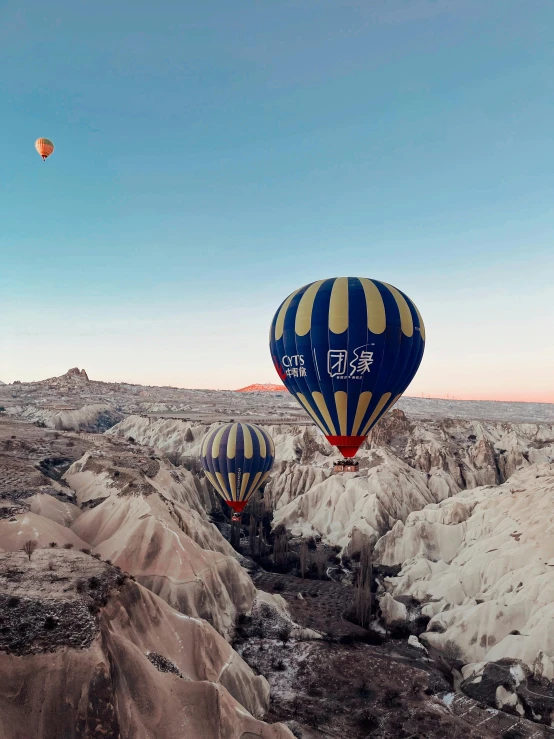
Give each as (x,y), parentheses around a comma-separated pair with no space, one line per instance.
(237,505)
(347,445)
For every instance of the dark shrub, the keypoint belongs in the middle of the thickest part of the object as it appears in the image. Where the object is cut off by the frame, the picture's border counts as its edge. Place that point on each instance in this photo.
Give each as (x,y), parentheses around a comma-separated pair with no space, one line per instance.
(367,721)
(370,637)
(513,733)
(346,639)
(400,631)
(391,699)
(284,634)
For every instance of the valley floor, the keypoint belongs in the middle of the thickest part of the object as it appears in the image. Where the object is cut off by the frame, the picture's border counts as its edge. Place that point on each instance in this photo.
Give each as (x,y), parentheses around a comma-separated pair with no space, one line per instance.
(333,688)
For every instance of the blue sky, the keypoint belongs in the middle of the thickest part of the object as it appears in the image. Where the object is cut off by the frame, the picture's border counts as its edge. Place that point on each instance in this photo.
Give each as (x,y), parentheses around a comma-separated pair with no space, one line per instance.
(212,156)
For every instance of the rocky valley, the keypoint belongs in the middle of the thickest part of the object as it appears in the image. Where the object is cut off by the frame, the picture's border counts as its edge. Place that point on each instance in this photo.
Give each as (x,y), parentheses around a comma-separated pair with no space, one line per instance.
(412,598)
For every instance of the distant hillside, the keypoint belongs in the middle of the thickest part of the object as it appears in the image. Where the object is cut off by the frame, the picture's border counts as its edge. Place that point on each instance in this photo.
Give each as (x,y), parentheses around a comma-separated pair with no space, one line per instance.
(267,388)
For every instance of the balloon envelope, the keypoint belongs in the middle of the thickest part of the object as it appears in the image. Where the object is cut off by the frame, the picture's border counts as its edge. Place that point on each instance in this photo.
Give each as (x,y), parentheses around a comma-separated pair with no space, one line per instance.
(347,348)
(44,147)
(237,458)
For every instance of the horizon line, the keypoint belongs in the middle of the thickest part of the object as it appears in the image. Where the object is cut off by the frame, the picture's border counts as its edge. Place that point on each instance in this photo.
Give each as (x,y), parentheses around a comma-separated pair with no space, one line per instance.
(421,396)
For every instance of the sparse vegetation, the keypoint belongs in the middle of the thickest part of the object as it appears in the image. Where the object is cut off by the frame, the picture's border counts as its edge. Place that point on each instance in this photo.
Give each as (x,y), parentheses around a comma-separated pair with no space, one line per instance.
(513,733)
(50,622)
(284,634)
(261,542)
(391,699)
(367,721)
(252,536)
(362,593)
(320,562)
(303,559)
(281,551)
(68,545)
(29,547)
(163,664)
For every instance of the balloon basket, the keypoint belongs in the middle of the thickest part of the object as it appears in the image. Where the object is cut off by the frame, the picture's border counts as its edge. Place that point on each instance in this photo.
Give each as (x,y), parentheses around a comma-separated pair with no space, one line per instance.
(346,465)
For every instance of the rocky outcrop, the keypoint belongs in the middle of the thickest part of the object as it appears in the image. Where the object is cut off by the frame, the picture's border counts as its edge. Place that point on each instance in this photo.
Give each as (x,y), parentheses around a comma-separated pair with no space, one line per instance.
(75,372)
(95,418)
(393,613)
(405,465)
(511,686)
(149,520)
(290,480)
(482,566)
(97,654)
(369,504)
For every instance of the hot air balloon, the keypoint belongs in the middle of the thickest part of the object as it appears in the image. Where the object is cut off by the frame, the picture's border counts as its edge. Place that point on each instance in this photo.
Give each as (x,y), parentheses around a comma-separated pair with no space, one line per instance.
(347,348)
(44,147)
(237,458)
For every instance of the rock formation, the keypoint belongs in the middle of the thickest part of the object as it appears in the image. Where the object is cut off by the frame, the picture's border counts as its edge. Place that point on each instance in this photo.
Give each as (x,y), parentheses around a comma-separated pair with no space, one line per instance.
(482,566)
(148,519)
(97,654)
(404,466)
(75,372)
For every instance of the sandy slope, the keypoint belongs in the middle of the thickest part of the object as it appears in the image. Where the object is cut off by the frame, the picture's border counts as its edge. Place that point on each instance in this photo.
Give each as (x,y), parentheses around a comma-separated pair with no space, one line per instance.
(150,522)
(60,511)
(18,524)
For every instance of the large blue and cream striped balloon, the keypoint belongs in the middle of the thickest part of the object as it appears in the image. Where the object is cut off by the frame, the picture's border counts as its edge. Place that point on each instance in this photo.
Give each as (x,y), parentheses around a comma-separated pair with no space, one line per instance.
(237,458)
(347,348)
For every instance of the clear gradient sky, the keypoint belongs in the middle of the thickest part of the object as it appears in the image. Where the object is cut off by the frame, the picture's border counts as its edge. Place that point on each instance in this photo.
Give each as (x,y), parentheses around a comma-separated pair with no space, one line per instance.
(212,156)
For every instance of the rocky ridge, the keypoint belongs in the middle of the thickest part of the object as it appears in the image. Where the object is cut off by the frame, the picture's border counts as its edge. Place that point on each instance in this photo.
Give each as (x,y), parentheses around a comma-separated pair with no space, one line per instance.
(125,662)
(76,624)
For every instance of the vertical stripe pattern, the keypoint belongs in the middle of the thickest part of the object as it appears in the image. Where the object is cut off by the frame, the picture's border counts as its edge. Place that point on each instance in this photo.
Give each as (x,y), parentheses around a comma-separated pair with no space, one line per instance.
(44,147)
(237,457)
(347,348)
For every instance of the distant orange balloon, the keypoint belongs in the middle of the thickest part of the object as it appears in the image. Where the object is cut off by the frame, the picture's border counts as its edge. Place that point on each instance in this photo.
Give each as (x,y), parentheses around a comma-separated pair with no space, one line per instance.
(44,147)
